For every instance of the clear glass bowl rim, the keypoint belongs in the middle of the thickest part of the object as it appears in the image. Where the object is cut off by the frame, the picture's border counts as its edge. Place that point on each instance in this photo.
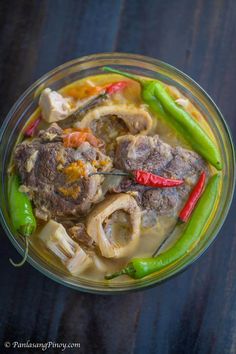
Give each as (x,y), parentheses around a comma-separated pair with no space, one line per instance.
(168,68)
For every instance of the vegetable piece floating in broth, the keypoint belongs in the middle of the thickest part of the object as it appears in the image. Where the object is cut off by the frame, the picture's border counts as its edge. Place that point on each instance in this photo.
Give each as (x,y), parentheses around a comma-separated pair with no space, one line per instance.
(21,212)
(57,240)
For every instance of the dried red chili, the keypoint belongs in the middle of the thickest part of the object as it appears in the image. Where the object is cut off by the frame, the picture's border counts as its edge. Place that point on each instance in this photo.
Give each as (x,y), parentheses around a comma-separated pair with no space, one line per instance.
(151,180)
(146,178)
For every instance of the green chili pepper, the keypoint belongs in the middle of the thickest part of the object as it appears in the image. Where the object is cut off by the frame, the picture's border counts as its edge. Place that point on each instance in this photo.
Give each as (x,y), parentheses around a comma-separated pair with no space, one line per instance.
(141,267)
(148,95)
(194,134)
(161,103)
(21,212)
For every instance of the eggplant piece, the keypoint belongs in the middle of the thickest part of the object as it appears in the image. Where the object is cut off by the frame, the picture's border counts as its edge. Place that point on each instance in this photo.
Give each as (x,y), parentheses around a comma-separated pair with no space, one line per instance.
(109,246)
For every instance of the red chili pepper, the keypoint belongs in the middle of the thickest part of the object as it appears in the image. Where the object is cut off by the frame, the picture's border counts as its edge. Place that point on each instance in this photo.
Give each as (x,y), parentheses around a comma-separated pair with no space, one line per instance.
(152,180)
(116,87)
(146,178)
(187,209)
(32,127)
(193,198)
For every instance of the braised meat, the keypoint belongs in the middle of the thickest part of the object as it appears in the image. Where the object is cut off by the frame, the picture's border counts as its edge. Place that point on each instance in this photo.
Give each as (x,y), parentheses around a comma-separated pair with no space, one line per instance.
(56,177)
(153,155)
(78,233)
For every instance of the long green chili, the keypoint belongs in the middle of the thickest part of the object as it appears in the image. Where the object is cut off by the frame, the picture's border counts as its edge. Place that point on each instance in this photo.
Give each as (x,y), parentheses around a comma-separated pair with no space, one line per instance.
(141,267)
(21,213)
(161,103)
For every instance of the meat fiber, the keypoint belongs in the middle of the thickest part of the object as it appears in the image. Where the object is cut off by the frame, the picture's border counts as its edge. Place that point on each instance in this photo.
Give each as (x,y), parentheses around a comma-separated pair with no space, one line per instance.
(56,178)
(153,155)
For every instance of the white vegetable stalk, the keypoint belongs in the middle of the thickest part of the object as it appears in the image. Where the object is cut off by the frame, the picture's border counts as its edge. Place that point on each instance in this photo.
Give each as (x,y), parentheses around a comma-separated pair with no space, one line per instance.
(70,253)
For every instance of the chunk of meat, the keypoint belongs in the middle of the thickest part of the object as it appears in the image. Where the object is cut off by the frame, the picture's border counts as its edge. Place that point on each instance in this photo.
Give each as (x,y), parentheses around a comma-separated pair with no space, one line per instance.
(52,133)
(142,153)
(164,201)
(185,165)
(153,155)
(57,180)
(78,233)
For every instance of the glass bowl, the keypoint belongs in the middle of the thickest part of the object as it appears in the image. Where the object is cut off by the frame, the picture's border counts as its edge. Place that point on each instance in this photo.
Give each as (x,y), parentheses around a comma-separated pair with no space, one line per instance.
(144,66)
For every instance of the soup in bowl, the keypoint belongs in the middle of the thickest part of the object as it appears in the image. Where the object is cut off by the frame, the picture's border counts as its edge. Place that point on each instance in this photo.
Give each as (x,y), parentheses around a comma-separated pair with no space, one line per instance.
(118,173)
